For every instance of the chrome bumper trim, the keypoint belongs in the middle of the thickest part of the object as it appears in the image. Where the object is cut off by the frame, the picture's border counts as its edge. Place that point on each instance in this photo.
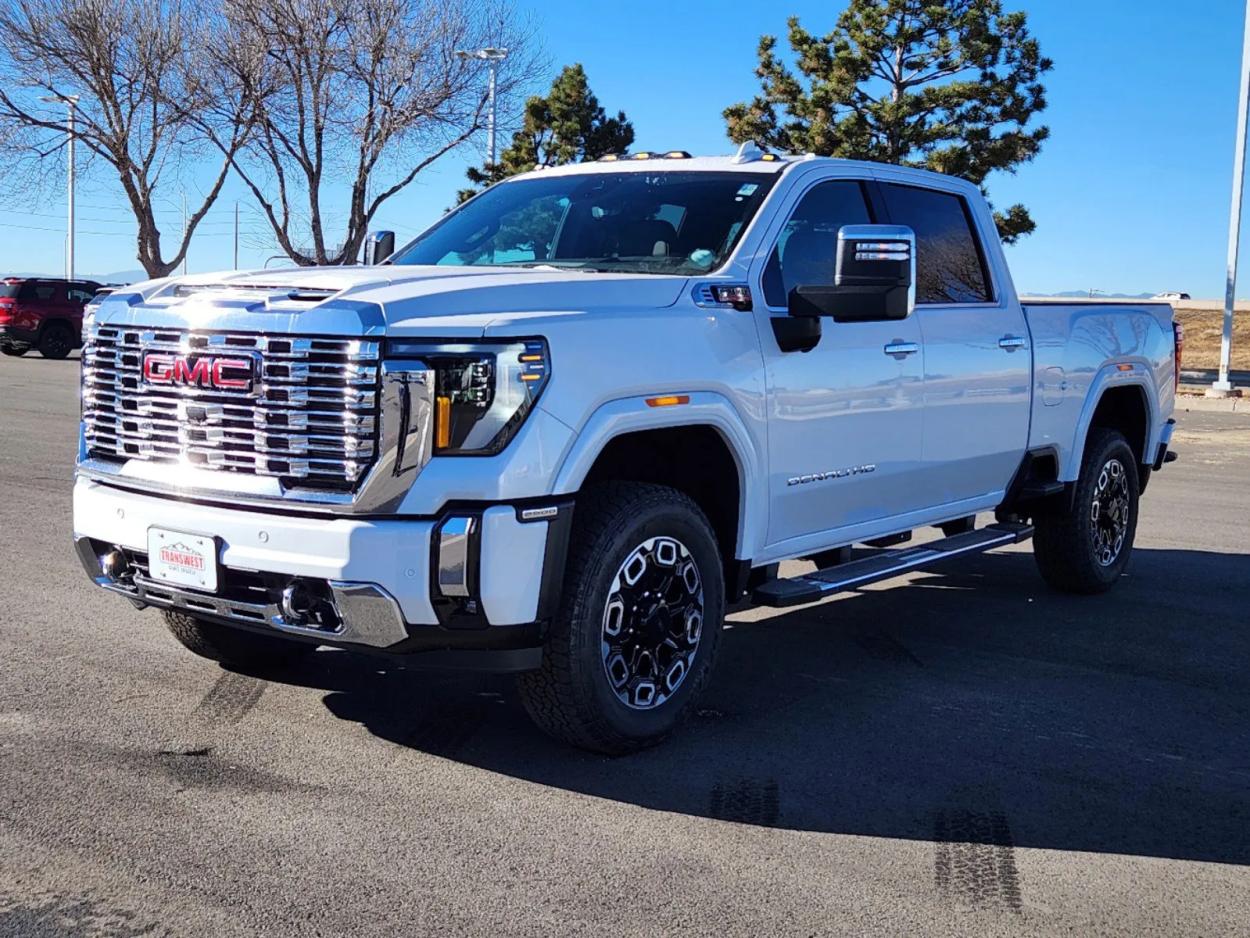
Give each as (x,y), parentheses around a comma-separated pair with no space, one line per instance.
(368,614)
(455,538)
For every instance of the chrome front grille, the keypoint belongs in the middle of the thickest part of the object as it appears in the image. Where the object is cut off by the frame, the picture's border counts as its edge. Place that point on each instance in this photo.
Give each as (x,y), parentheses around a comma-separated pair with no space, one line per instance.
(310,418)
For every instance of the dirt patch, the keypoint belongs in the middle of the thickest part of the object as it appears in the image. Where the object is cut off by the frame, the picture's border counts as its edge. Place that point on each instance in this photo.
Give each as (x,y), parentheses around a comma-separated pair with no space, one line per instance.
(1203,330)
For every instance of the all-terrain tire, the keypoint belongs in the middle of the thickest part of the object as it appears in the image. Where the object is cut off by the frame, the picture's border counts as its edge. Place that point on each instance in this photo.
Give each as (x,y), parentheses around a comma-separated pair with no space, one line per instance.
(56,340)
(1086,549)
(230,645)
(572,697)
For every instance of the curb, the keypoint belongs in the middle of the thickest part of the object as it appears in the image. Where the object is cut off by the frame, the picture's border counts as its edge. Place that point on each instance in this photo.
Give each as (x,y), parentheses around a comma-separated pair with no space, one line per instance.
(1228,405)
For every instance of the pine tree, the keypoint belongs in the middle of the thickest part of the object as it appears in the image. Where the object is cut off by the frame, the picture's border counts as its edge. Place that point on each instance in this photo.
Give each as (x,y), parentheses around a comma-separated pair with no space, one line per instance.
(948,86)
(566,125)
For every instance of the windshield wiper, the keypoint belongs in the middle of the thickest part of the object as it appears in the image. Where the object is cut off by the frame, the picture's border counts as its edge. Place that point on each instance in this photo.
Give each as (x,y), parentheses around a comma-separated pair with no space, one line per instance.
(551,265)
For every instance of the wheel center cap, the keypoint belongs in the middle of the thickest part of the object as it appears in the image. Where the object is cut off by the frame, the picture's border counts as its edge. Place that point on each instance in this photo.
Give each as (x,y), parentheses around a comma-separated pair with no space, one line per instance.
(656,622)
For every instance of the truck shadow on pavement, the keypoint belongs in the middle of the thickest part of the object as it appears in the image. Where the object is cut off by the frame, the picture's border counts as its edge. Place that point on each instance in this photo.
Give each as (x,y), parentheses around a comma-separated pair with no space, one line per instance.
(972,706)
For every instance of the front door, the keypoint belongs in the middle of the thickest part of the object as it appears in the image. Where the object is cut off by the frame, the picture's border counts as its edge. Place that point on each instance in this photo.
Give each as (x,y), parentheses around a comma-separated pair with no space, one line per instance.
(844,419)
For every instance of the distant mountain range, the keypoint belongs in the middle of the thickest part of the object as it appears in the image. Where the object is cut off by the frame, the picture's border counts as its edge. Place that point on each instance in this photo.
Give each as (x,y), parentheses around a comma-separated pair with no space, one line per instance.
(1083,294)
(117,276)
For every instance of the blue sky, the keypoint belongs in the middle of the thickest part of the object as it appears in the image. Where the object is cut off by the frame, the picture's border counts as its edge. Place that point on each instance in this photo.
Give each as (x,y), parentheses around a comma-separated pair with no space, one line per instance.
(1130,193)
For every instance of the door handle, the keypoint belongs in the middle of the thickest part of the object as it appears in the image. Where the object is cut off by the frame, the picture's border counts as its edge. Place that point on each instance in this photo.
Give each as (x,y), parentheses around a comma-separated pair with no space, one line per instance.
(900,349)
(1012,342)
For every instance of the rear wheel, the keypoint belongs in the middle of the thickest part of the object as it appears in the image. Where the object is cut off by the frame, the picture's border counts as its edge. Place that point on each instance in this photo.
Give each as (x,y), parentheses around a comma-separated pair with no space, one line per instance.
(1086,548)
(229,645)
(16,351)
(639,624)
(56,340)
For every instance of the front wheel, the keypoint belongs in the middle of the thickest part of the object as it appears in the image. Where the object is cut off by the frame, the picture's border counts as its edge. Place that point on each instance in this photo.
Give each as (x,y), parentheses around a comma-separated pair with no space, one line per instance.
(639,623)
(1086,548)
(15,351)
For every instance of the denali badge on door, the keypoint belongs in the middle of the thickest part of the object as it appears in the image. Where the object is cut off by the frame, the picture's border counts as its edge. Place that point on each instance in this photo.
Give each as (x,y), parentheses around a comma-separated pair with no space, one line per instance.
(182,559)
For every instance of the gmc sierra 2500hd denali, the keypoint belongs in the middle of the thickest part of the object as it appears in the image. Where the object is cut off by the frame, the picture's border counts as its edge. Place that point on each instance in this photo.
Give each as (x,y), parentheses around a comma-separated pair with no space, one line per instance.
(560,431)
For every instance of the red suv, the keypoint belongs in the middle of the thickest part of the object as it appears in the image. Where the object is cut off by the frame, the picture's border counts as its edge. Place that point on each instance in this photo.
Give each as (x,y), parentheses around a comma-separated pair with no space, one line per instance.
(43,313)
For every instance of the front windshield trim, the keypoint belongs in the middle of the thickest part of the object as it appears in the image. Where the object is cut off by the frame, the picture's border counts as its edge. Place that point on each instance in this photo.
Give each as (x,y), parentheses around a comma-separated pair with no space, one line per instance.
(758,187)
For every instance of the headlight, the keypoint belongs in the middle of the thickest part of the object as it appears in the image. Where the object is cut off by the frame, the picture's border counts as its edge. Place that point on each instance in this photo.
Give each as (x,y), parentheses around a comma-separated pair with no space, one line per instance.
(483,391)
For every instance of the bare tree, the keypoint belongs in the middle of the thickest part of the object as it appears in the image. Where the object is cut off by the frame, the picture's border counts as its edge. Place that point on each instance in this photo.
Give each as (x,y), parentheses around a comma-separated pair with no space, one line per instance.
(142,87)
(356,97)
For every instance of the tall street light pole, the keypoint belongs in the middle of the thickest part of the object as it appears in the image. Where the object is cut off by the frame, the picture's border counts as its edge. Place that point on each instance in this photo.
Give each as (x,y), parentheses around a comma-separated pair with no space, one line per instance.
(70,100)
(1223,387)
(492,57)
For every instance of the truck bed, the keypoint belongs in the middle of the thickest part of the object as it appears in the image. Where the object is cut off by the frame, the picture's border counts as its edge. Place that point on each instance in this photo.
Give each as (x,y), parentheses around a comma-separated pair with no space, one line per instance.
(1086,345)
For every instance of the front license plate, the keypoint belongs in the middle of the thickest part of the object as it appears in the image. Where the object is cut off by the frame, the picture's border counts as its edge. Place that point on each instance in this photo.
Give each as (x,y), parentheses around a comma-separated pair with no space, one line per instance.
(182,559)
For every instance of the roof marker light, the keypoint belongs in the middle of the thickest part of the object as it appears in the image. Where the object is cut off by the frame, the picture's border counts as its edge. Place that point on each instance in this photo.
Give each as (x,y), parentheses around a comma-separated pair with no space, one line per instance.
(676,155)
(642,155)
(609,157)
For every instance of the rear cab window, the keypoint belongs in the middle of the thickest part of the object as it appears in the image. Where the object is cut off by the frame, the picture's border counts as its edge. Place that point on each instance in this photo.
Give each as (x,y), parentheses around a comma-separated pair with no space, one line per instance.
(950,264)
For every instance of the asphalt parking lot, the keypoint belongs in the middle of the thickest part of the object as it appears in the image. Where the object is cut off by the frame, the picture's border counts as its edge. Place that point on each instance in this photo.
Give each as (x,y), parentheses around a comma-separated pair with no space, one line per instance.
(964,752)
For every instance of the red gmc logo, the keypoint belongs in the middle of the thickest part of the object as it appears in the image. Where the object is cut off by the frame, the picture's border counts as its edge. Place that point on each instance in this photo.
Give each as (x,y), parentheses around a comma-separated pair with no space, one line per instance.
(205,371)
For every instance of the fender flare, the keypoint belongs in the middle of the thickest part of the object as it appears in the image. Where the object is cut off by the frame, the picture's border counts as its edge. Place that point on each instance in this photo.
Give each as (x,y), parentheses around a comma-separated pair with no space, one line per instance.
(706,408)
(1107,378)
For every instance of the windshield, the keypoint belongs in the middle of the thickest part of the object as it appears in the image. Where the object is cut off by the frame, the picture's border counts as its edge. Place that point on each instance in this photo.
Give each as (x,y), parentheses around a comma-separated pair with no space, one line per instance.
(639,222)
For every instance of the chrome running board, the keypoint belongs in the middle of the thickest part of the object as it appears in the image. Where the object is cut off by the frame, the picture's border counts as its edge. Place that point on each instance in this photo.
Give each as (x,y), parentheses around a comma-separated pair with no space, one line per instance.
(811,587)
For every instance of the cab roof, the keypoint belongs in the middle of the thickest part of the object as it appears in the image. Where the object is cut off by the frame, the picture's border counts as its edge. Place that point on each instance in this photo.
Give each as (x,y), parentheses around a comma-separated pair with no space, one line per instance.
(748,159)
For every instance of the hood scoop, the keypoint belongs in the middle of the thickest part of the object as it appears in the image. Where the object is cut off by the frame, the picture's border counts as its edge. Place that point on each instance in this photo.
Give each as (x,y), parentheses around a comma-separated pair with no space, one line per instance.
(253,296)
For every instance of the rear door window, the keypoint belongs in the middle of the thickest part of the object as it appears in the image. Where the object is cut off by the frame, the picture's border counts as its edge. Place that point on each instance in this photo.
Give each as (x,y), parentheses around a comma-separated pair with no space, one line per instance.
(38,291)
(950,267)
(808,245)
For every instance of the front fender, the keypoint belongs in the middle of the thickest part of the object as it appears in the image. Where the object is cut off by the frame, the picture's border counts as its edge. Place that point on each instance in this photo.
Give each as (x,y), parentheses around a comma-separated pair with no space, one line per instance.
(705,408)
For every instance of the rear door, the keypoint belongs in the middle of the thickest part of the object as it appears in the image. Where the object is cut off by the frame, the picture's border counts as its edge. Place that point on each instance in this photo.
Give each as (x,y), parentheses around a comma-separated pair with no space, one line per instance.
(977,356)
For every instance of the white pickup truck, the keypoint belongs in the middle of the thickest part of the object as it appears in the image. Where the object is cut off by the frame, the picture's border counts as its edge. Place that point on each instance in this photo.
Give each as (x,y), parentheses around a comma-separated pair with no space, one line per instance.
(560,432)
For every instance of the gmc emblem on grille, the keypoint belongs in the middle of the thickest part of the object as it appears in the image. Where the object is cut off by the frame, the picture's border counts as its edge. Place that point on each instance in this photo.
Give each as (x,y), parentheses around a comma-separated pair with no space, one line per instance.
(204,371)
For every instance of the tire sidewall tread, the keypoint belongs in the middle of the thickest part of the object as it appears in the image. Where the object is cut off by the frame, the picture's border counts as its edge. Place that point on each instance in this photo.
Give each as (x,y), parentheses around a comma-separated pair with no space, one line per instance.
(1062,544)
(569,696)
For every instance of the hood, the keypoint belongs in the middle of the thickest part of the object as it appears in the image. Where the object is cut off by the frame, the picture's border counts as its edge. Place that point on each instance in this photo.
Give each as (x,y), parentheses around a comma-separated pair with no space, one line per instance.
(450,301)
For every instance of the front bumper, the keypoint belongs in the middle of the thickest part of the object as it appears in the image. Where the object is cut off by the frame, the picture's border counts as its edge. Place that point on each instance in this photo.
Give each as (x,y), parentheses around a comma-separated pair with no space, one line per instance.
(394,583)
(13,335)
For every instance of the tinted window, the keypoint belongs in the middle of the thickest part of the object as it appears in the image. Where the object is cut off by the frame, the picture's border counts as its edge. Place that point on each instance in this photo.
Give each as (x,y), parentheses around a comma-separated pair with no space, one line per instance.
(662,222)
(80,294)
(9,291)
(949,268)
(808,245)
(39,290)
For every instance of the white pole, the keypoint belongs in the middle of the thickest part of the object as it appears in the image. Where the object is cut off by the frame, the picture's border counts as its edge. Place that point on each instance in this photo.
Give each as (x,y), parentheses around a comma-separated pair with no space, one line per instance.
(186,247)
(236,234)
(69,243)
(491,117)
(1223,385)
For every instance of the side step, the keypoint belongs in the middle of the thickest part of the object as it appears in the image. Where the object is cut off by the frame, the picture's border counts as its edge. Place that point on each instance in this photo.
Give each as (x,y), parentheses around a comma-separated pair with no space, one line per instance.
(889,563)
(1031,491)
